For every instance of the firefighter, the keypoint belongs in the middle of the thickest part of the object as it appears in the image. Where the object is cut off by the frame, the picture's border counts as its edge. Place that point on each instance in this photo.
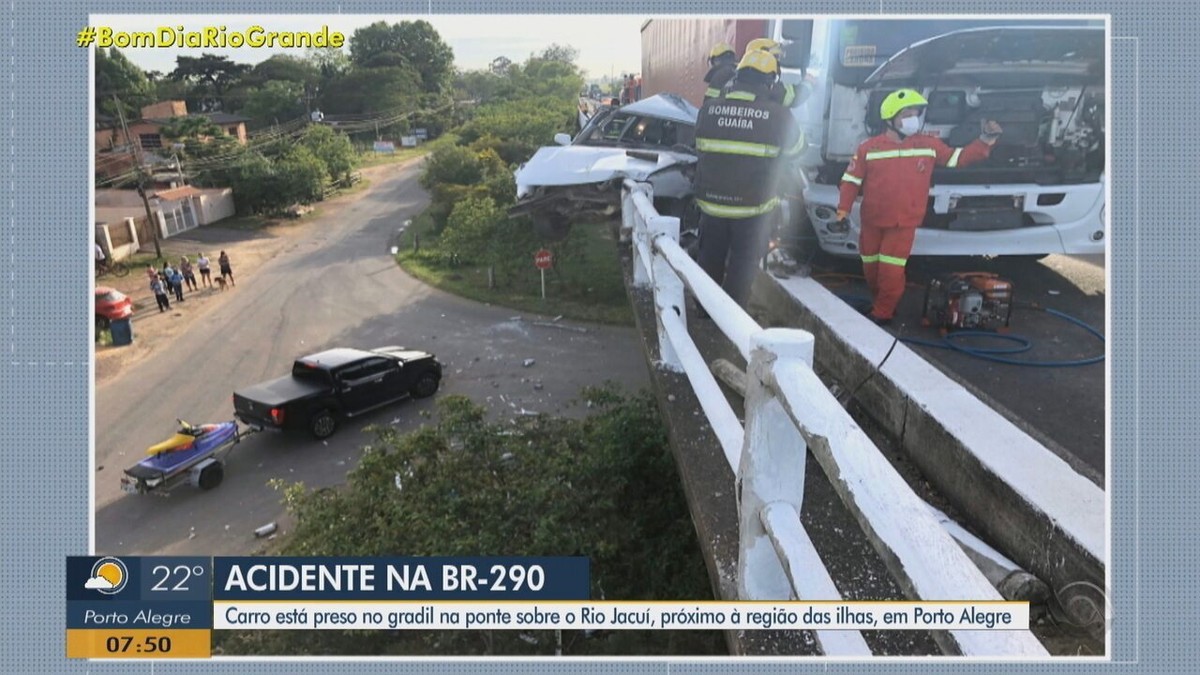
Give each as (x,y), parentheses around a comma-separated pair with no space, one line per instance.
(784,93)
(894,171)
(742,137)
(722,62)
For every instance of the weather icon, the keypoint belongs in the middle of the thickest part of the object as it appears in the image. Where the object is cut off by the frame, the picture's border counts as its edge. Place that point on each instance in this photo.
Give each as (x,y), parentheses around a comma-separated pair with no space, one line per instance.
(109,576)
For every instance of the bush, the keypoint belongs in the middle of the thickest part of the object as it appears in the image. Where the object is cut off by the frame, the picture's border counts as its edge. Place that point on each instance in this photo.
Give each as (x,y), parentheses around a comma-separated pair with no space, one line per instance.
(604,487)
(300,177)
(452,165)
(471,230)
(525,124)
(333,149)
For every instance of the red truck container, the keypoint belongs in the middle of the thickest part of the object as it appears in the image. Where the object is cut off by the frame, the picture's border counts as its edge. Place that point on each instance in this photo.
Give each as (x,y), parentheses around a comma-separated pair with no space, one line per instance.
(675,52)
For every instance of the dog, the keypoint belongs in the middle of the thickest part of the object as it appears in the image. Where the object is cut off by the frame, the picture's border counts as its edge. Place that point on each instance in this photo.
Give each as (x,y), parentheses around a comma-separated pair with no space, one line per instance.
(220,282)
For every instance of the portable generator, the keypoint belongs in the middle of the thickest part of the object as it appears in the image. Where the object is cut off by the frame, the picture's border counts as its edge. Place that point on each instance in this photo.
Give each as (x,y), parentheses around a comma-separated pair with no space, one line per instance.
(968,300)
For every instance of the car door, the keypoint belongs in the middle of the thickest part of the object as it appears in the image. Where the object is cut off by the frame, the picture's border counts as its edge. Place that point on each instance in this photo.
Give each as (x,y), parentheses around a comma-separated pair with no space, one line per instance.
(361,385)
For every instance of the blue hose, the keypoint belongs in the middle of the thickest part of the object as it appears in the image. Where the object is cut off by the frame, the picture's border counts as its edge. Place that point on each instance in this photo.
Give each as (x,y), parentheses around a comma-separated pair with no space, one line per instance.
(950,341)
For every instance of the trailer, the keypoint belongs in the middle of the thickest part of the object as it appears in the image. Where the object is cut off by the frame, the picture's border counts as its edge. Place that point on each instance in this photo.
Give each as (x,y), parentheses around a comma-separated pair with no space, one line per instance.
(194,456)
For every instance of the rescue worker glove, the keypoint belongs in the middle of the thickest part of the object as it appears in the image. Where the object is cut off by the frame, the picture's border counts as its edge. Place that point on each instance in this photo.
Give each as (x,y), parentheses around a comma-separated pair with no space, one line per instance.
(990,130)
(841,225)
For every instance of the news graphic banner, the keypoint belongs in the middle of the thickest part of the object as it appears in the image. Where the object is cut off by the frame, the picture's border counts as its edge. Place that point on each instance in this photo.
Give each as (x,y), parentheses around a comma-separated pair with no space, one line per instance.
(168,607)
(139,608)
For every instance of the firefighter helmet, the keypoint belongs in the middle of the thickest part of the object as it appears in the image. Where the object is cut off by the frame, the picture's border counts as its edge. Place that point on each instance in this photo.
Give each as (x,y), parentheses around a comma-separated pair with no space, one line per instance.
(761,61)
(765,44)
(719,49)
(899,100)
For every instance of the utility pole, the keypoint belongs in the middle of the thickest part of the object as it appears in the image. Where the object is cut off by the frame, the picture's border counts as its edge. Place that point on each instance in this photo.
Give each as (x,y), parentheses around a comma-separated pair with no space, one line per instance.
(141,171)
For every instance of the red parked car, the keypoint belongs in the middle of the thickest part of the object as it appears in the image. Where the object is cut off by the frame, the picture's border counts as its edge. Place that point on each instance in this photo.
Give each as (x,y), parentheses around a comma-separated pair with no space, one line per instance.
(111,305)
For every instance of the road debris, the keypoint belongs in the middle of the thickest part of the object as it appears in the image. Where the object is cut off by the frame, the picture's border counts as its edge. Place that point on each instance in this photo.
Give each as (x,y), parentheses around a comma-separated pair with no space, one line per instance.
(265,530)
(528,362)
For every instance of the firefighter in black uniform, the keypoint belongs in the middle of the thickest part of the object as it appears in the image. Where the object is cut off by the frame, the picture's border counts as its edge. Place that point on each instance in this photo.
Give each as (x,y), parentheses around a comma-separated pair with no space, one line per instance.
(722,62)
(742,138)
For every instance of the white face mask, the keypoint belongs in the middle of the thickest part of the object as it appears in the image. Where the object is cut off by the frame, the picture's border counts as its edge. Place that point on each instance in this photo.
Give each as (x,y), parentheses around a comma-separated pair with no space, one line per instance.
(910,125)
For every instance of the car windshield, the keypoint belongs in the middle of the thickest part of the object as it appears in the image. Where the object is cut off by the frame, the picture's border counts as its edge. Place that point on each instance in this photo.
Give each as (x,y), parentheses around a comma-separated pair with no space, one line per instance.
(111,296)
(615,128)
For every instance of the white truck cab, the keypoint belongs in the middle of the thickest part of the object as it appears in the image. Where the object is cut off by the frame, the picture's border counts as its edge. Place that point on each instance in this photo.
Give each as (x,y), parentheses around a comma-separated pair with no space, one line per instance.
(1041,191)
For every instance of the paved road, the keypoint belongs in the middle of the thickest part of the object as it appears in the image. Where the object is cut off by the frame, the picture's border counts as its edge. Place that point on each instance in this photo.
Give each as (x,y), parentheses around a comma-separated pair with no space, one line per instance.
(336,285)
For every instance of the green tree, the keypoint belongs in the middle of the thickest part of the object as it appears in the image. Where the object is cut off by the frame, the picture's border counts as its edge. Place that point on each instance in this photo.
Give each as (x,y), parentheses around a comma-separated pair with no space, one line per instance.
(284,68)
(274,101)
(301,176)
(118,76)
(603,487)
(414,44)
(209,78)
(333,149)
(524,124)
(470,232)
(557,52)
(451,165)
(370,90)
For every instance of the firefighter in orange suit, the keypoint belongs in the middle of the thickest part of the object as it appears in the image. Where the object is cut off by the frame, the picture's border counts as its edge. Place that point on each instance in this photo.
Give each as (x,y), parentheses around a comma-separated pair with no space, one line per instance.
(894,171)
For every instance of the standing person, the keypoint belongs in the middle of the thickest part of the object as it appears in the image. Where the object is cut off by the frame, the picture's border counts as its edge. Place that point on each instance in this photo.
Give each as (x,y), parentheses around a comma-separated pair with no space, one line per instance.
(189,274)
(151,272)
(786,94)
(205,273)
(742,136)
(160,293)
(170,276)
(722,65)
(100,259)
(226,270)
(894,171)
(623,92)
(177,283)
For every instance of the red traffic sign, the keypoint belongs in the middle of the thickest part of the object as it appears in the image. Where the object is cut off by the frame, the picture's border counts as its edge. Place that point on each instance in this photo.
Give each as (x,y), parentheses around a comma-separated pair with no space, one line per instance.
(543,259)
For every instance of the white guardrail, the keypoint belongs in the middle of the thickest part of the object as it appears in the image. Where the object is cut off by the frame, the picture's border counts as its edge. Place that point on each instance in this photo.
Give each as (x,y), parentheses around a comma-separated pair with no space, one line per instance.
(789,411)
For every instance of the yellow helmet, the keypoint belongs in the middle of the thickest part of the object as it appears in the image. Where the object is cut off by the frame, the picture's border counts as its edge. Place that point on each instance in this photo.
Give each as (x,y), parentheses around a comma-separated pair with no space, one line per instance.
(899,100)
(765,44)
(719,49)
(761,61)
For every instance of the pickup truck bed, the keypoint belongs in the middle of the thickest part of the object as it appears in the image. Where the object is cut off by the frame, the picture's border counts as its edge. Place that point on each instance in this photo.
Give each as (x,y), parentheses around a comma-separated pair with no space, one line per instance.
(279,391)
(337,384)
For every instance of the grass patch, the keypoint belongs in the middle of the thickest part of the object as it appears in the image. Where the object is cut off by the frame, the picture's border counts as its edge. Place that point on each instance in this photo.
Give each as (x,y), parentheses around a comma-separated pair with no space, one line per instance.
(589,288)
(369,158)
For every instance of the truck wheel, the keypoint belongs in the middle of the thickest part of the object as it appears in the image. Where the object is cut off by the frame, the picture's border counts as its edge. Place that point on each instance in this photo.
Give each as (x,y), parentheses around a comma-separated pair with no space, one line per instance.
(211,476)
(322,425)
(426,386)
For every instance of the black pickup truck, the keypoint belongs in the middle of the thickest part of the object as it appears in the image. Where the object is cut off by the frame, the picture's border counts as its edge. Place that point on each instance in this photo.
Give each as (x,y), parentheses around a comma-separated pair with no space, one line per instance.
(327,387)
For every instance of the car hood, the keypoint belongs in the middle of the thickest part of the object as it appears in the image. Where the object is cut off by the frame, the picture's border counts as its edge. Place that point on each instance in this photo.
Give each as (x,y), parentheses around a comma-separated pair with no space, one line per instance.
(1067,55)
(583,165)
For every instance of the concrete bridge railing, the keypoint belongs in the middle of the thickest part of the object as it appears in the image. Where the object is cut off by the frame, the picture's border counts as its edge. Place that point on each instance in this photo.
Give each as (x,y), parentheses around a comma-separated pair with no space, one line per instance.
(789,412)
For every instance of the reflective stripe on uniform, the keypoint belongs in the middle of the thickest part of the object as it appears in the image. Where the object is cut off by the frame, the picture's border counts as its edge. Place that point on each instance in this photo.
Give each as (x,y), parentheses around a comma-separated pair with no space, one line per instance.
(722,211)
(741,96)
(900,262)
(737,148)
(789,95)
(906,152)
(868,259)
(712,92)
(797,147)
(851,179)
(954,158)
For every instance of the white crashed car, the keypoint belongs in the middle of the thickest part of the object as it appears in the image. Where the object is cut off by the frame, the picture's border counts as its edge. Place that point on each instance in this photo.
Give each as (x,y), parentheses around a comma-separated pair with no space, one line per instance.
(579,180)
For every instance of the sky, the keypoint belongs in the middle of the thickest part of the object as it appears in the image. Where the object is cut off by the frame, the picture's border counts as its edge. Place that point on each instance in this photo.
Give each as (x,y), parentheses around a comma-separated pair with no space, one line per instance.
(607,44)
